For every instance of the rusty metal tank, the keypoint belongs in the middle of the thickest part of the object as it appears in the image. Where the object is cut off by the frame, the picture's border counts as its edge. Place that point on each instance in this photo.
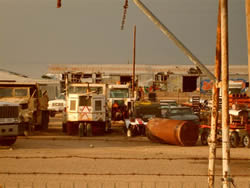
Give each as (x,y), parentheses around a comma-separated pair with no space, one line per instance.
(176,132)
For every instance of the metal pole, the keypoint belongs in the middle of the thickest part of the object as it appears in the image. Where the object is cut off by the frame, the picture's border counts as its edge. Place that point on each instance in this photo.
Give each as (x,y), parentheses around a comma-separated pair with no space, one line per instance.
(59,4)
(225,106)
(66,90)
(215,107)
(133,77)
(248,36)
(167,32)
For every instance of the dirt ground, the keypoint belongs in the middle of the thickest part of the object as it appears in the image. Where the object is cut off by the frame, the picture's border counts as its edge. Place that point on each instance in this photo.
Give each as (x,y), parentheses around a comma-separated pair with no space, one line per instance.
(53,159)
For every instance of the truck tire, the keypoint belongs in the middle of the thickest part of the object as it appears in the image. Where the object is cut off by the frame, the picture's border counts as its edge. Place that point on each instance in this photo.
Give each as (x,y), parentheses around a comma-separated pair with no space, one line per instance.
(88,129)
(125,129)
(45,120)
(142,131)
(246,141)
(81,129)
(234,139)
(204,138)
(107,127)
(8,140)
(64,127)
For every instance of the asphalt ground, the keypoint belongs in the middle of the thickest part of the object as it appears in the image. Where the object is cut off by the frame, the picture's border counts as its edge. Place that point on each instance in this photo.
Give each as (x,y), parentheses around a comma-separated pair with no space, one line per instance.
(53,159)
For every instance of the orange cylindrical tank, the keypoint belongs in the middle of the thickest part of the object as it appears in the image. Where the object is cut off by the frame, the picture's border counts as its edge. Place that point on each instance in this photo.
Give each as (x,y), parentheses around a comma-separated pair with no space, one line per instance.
(177,132)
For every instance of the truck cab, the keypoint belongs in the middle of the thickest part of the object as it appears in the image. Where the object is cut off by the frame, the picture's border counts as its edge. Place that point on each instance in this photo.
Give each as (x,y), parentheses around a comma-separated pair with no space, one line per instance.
(86,110)
(120,102)
(33,104)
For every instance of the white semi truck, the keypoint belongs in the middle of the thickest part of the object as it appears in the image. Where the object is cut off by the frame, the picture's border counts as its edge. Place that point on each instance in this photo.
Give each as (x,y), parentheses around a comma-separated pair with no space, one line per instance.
(86,111)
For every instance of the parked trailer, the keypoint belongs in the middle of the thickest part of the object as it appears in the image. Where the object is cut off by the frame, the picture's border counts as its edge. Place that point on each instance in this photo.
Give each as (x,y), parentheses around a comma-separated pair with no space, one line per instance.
(239,129)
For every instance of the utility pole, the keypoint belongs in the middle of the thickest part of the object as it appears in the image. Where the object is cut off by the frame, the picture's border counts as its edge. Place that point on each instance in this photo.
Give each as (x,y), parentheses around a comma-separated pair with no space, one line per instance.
(59,3)
(171,36)
(134,47)
(215,106)
(225,106)
(248,36)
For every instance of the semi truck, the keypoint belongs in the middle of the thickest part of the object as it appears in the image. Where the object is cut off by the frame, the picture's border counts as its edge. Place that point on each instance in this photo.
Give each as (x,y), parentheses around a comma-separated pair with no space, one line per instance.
(33,104)
(86,111)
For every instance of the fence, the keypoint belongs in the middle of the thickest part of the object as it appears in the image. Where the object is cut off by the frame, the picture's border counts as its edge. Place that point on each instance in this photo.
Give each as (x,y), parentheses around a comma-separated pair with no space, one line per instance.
(110,184)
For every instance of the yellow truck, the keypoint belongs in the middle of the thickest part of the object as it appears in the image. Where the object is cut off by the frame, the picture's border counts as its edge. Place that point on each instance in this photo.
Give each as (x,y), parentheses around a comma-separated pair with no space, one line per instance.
(33,104)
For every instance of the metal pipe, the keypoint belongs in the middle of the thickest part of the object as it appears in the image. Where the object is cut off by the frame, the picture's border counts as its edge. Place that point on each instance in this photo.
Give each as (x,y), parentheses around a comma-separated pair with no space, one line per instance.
(215,106)
(170,35)
(133,77)
(248,35)
(171,131)
(225,106)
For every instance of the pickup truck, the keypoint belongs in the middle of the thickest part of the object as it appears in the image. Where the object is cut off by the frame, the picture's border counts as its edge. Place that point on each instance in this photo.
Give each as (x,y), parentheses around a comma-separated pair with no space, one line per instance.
(57,105)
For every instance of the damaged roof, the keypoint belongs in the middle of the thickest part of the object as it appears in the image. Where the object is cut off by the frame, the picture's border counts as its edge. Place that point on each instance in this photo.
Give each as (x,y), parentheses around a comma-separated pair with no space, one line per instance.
(124,69)
(8,76)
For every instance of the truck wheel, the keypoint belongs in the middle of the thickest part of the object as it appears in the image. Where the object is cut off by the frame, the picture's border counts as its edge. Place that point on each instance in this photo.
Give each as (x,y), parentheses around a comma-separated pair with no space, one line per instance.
(107,127)
(64,127)
(246,141)
(81,129)
(88,129)
(142,131)
(8,141)
(125,129)
(234,139)
(204,138)
(45,120)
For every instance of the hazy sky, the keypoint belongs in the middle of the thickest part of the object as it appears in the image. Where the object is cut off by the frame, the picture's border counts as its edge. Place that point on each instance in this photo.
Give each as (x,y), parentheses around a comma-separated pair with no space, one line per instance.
(34,33)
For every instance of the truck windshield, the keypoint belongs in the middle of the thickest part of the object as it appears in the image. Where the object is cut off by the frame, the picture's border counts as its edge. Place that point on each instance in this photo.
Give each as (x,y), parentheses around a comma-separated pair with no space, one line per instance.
(6,92)
(21,92)
(83,89)
(119,93)
(84,100)
(13,92)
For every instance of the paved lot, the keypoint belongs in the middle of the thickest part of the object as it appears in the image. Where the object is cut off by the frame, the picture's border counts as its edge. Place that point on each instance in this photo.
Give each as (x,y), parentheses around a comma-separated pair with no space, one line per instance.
(56,160)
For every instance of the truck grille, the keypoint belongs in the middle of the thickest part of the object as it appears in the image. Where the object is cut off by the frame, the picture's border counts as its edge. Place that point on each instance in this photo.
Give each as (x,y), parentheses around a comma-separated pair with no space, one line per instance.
(8,111)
